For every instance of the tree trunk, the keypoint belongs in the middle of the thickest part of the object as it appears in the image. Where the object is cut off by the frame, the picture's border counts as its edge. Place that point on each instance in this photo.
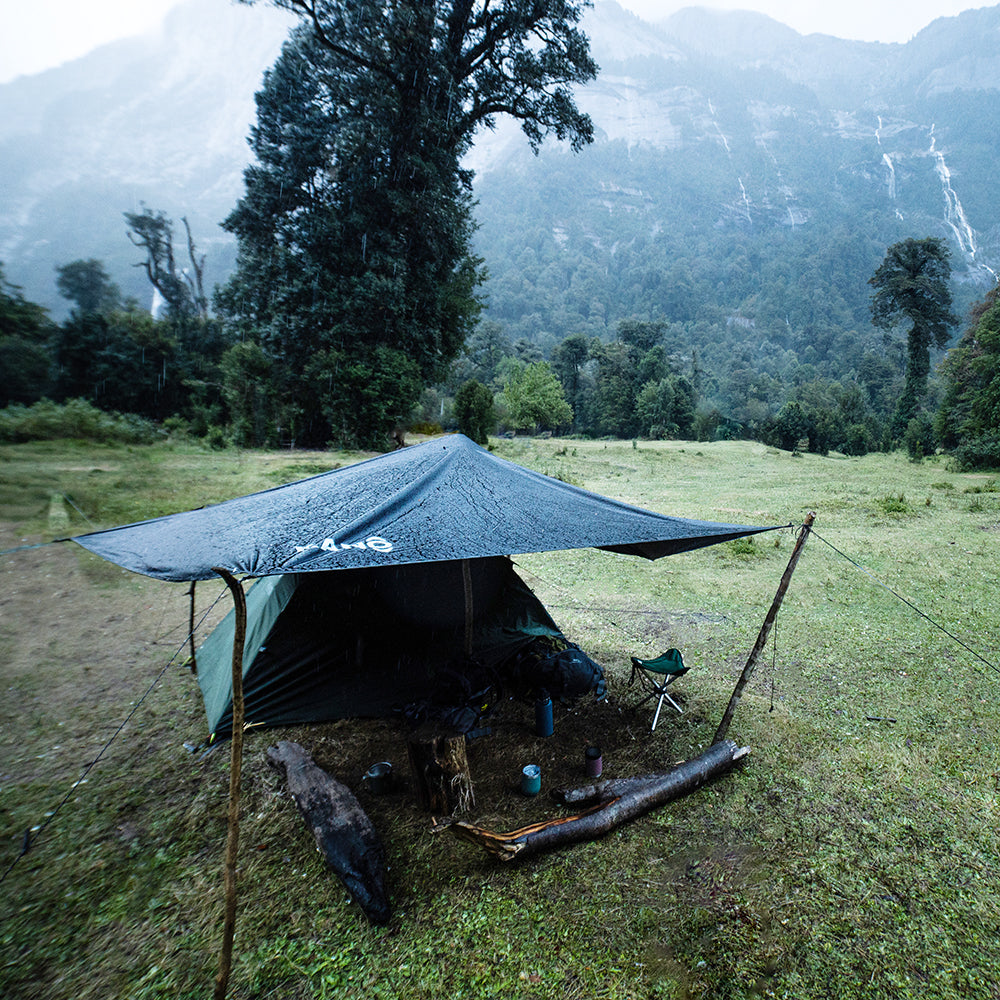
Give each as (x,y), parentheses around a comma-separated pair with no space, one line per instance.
(602,791)
(344,834)
(440,771)
(637,797)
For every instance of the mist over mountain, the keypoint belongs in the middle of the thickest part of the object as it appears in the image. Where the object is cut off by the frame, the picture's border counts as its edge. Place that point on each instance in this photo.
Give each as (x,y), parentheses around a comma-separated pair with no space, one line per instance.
(161,119)
(743,174)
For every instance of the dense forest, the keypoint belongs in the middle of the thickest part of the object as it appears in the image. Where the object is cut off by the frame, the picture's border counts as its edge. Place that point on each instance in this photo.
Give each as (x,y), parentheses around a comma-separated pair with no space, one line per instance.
(683,378)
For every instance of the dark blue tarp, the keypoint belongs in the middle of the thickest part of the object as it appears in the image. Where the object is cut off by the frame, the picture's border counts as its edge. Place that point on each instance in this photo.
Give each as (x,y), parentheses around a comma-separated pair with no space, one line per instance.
(324,645)
(445,499)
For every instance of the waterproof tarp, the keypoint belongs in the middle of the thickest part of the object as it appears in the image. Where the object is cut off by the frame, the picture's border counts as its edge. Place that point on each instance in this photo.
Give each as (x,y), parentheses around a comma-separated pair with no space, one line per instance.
(445,499)
(405,527)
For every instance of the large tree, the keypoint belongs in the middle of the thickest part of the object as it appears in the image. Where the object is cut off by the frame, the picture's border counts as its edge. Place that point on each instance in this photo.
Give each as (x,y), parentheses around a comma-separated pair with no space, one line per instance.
(911,286)
(968,421)
(180,286)
(25,356)
(355,229)
(88,286)
(533,398)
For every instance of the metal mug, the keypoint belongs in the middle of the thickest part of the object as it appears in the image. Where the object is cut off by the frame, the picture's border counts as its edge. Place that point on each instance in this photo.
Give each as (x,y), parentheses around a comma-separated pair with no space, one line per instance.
(531,779)
(378,777)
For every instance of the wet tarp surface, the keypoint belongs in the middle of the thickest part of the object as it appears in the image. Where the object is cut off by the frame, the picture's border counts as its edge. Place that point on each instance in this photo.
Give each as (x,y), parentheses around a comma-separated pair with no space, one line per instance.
(445,499)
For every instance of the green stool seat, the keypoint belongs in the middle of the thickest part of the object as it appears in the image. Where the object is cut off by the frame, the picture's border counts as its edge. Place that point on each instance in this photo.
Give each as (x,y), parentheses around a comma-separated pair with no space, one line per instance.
(656,676)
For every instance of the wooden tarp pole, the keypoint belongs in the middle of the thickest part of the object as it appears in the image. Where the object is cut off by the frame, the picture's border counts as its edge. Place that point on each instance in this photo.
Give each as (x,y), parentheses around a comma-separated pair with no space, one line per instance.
(765,629)
(194,660)
(467,586)
(235,767)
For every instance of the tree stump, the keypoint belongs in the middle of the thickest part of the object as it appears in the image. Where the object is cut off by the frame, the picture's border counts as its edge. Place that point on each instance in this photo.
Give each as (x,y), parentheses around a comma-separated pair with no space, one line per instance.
(440,771)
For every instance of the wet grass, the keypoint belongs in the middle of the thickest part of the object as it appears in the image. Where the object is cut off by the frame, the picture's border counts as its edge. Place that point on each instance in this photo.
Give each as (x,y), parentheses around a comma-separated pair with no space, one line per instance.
(856,853)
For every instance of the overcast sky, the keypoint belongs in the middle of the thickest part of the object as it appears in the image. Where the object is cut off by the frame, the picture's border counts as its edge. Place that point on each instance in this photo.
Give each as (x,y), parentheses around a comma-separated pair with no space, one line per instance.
(45,33)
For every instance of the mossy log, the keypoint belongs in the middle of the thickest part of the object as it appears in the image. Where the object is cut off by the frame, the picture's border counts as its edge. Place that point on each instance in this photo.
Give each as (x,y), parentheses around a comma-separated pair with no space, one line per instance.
(344,833)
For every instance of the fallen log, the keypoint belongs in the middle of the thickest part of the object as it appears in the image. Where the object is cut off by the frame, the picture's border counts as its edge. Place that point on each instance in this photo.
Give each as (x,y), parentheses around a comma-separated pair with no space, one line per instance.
(601,791)
(636,798)
(344,833)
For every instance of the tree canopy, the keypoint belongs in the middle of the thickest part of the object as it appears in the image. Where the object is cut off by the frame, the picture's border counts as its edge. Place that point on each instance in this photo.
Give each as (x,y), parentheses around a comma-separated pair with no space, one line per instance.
(968,420)
(534,398)
(88,286)
(354,233)
(25,329)
(181,287)
(911,285)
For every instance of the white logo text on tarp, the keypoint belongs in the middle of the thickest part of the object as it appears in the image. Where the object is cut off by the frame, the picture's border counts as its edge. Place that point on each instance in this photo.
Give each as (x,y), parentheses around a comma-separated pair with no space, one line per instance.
(373,542)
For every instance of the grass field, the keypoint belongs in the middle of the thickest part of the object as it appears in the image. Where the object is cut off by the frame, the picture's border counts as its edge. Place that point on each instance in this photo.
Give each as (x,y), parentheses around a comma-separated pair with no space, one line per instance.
(855,854)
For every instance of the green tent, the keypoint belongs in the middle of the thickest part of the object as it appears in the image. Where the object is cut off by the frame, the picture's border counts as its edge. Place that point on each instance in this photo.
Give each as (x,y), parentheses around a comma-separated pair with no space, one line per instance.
(370,642)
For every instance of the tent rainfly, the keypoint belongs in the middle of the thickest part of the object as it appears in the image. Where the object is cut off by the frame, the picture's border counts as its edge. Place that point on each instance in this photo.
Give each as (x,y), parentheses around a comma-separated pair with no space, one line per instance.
(409,544)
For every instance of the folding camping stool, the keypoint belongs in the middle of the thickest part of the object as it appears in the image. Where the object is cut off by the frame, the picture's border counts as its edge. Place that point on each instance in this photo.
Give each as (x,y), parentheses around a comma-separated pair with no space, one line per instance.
(656,676)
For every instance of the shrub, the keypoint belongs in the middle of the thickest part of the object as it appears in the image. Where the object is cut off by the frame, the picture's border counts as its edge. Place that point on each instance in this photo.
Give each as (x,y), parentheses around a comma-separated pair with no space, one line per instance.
(475,412)
(919,437)
(427,427)
(743,548)
(893,505)
(977,454)
(858,441)
(76,419)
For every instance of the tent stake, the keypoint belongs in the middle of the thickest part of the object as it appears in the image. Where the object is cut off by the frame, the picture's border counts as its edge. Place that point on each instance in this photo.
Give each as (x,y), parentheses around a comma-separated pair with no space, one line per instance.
(727,718)
(235,767)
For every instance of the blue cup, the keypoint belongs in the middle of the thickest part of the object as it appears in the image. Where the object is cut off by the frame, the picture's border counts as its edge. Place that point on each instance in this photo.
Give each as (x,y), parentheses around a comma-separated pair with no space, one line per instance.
(378,778)
(531,779)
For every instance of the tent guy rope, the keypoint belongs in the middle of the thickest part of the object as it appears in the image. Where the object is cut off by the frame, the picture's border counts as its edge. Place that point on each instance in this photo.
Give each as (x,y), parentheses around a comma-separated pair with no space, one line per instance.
(910,604)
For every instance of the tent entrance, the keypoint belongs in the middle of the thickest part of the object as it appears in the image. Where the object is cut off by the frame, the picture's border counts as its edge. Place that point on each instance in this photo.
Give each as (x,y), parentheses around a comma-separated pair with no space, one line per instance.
(369,642)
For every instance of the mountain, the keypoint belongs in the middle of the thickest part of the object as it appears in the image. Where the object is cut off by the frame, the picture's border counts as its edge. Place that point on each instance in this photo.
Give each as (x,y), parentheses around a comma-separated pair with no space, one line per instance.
(160,119)
(748,176)
(744,176)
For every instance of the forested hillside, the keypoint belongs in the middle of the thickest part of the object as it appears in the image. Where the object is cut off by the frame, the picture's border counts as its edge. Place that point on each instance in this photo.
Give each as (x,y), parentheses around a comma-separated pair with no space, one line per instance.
(744,185)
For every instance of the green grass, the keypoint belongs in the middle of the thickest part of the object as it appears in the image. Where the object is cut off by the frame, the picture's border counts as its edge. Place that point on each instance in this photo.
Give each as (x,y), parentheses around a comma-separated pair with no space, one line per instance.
(851,856)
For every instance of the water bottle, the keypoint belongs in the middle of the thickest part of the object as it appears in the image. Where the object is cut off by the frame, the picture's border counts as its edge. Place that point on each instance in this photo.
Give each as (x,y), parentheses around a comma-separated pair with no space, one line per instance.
(543,715)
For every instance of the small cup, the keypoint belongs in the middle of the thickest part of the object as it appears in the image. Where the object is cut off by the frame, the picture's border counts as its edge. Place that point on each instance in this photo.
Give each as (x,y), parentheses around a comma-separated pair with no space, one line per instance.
(594,762)
(378,778)
(531,779)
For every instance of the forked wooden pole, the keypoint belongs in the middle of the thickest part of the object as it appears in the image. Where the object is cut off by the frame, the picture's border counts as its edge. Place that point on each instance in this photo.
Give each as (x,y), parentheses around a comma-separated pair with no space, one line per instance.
(235,767)
(765,629)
